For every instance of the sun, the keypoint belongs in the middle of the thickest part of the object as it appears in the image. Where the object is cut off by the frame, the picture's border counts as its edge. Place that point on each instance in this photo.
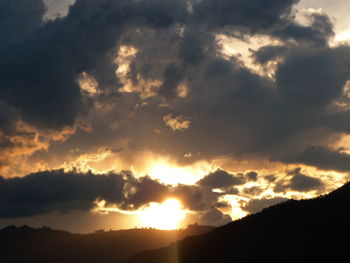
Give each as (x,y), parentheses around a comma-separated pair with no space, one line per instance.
(166,216)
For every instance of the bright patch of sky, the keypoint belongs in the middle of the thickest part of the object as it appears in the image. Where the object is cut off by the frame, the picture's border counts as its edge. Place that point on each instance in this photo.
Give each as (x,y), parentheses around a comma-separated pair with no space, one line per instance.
(339,12)
(57,8)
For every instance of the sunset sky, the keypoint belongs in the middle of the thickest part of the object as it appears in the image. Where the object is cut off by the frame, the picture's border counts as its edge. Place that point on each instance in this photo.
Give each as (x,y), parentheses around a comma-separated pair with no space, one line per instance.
(114,113)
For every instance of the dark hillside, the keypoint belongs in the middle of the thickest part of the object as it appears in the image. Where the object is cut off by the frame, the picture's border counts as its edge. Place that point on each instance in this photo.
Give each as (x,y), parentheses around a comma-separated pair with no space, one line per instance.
(26,244)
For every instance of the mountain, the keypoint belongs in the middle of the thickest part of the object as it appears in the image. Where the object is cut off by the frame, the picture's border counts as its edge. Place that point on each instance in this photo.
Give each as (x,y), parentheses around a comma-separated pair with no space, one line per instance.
(316,230)
(26,244)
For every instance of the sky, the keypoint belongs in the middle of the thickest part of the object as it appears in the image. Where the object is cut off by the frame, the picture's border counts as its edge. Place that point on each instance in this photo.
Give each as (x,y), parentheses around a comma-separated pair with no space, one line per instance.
(112,109)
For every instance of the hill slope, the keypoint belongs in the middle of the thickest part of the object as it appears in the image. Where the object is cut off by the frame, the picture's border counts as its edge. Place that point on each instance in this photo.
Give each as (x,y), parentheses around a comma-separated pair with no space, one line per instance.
(25,244)
(314,230)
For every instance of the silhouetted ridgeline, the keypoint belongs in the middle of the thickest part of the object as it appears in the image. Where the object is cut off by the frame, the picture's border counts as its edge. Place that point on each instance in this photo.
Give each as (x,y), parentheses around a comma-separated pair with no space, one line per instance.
(314,230)
(25,244)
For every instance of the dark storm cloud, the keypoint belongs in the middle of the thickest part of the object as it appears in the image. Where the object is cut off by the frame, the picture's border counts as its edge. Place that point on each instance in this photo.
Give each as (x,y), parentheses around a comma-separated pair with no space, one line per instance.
(195,197)
(252,176)
(303,183)
(299,182)
(222,179)
(253,191)
(318,33)
(44,192)
(253,116)
(233,111)
(8,118)
(143,191)
(38,74)
(313,78)
(192,47)
(253,15)
(59,191)
(256,205)
(18,19)
(268,53)
(323,158)
(172,78)
(214,217)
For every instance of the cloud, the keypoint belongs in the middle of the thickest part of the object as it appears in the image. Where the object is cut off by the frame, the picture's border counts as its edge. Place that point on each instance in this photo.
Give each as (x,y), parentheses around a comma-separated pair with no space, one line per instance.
(252,176)
(19,19)
(256,205)
(235,112)
(251,14)
(45,192)
(323,158)
(300,182)
(67,192)
(318,33)
(177,123)
(8,118)
(222,179)
(303,183)
(266,54)
(214,217)
(67,47)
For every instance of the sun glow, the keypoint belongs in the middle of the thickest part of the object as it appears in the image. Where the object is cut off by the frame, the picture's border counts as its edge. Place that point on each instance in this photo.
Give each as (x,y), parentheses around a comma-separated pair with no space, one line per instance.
(172,175)
(169,173)
(166,216)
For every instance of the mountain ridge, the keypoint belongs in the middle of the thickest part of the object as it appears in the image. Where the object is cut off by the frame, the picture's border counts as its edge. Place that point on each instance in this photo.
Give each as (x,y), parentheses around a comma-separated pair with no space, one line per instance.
(20,244)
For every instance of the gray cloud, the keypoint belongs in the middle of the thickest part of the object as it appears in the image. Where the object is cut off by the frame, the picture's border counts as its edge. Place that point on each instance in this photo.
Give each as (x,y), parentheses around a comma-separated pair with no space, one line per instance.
(252,176)
(253,15)
(222,179)
(8,118)
(268,53)
(56,191)
(303,183)
(234,112)
(299,182)
(214,217)
(66,192)
(323,158)
(19,19)
(256,205)
(318,33)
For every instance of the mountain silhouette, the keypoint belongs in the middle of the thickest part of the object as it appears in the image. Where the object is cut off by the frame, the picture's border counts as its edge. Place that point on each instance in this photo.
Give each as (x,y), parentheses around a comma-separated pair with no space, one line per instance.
(26,244)
(315,230)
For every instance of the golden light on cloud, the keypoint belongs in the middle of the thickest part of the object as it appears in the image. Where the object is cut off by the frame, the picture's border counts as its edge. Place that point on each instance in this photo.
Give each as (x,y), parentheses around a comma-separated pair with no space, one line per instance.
(88,84)
(125,57)
(179,123)
(242,49)
(169,173)
(343,36)
(172,175)
(166,216)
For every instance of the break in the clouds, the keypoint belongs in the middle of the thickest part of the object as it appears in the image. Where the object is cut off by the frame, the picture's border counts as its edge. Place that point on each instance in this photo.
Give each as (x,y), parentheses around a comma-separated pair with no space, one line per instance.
(192,81)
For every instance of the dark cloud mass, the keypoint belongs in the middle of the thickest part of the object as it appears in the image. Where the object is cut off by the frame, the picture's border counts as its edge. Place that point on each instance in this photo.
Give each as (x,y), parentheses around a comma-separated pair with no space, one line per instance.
(221,179)
(68,192)
(57,191)
(251,14)
(299,182)
(256,205)
(175,43)
(18,19)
